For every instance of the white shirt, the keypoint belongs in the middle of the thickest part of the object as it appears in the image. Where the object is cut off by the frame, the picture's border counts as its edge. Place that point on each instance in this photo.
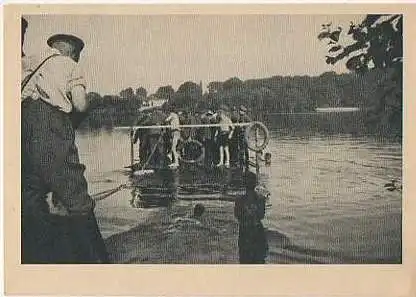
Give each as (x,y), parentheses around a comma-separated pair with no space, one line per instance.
(173,119)
(225,123)
(54,81)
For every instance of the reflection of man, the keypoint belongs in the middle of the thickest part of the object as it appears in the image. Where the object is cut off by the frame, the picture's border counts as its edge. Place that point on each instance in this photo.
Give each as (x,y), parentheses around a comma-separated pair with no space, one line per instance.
(53,103)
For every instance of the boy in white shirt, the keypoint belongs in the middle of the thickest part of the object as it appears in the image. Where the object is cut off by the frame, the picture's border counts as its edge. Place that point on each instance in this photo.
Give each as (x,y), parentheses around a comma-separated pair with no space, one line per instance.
(173,120)
(224,134)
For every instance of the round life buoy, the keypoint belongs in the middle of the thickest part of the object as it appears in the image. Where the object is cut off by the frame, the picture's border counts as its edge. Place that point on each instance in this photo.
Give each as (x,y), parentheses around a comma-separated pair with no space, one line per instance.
(257,136)
(195,158)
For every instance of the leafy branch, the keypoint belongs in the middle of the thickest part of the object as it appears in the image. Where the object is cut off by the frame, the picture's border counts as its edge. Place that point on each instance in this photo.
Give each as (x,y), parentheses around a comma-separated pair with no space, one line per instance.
(377,43)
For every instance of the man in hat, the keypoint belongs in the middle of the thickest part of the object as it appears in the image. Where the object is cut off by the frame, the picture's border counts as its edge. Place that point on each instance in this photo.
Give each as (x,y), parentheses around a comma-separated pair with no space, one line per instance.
(53,104)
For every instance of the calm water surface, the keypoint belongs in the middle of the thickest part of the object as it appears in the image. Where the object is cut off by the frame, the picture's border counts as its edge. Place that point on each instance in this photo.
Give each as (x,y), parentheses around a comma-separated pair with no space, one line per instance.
(328,195)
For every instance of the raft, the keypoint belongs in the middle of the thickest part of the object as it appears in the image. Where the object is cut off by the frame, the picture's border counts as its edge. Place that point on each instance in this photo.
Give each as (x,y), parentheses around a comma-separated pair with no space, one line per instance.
(193,179)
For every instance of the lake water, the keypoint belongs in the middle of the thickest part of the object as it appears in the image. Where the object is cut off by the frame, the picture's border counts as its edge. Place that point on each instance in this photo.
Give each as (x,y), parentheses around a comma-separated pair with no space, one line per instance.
(329,203)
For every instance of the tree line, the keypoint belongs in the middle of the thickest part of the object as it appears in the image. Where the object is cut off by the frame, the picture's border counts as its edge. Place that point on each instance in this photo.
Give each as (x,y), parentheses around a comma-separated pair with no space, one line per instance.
(277,94)
(374,84)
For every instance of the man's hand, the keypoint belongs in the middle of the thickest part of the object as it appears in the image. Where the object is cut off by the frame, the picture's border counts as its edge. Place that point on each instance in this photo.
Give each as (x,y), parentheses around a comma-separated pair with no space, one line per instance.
(80,105)
(79,100)
(55,207)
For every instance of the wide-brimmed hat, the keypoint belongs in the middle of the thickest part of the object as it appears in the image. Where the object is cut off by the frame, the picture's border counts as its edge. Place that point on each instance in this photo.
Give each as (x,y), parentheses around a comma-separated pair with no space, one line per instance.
(76,41)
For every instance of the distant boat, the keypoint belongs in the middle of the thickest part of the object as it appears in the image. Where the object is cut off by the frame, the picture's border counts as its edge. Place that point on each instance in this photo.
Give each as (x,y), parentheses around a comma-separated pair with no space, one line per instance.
(152,104)
(337,109)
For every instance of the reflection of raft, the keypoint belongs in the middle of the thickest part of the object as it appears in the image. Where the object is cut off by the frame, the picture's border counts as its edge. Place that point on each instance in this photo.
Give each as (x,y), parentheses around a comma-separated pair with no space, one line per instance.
(188,183)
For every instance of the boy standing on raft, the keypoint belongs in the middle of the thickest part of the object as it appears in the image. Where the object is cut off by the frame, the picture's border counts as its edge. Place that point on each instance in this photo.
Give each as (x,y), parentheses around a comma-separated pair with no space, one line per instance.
(173,120)
(224,134)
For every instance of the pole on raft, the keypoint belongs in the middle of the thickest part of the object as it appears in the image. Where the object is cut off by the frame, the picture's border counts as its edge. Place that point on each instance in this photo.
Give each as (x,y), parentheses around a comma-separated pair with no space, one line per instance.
(257,158)
(131,147)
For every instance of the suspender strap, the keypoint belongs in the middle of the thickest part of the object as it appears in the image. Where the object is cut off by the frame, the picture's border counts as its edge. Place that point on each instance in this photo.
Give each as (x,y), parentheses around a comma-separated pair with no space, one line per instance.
(29,76)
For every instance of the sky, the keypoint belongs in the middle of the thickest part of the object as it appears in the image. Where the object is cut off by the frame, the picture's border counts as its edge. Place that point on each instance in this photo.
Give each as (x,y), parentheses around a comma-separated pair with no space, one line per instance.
(158,50)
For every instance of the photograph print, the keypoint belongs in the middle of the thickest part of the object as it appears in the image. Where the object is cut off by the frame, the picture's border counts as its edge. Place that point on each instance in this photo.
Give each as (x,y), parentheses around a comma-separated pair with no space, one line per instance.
(211,139)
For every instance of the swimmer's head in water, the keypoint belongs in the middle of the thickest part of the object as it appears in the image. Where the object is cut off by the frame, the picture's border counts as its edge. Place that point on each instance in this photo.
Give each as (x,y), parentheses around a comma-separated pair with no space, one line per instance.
(198,210)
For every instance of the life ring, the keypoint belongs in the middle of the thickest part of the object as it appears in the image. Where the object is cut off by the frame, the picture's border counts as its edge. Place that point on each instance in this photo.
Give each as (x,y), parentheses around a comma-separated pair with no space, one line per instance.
(195,159)
(251,131)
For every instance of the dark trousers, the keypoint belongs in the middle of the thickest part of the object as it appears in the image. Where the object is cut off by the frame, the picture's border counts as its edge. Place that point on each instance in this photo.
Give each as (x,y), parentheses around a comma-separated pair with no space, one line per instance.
(234,153)
(53,239)
(209,152)
(50,163)
(50,158)
(252,244)
(155,146)
(243,153)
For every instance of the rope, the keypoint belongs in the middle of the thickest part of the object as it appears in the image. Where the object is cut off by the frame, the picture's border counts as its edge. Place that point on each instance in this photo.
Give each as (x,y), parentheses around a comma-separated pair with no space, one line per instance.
(104,194)
(107,193)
